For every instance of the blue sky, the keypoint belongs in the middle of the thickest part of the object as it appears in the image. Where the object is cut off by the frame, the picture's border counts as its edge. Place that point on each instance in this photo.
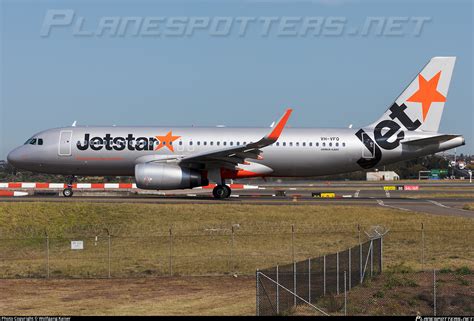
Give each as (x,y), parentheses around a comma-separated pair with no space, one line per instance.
(330,81)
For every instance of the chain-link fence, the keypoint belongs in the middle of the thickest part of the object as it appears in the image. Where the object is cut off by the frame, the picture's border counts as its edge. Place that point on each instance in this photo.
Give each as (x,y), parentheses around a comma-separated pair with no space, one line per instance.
(224,250)
(428,293)
(282,288)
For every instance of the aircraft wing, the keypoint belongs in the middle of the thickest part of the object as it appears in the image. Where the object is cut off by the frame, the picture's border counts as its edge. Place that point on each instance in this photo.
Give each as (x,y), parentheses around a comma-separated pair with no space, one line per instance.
(430,140)
(237,154)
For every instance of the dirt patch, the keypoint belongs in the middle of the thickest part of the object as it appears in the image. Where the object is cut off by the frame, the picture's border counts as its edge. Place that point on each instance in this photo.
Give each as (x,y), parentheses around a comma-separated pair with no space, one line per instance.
(152,296)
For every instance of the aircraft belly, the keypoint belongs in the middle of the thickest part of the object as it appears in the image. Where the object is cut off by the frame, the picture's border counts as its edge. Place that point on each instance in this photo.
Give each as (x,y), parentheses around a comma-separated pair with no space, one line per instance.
(308,163)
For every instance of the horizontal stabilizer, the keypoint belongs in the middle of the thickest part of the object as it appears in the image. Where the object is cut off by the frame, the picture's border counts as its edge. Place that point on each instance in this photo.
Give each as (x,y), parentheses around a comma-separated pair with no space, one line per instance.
(430,140)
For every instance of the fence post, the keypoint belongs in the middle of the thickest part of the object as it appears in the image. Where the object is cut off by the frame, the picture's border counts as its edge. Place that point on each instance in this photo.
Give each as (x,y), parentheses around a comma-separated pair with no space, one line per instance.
(422,247)
(350,269)
(434,292)
(371,258)
(337,272)
(47,255)
(257,296)
(293,242)
(324,275)
(345,294)
(381,255)
(109,252)
(171,252)
(294,283)
(360,261)
(309,280)
(358,232)
(232,262)
(278,290)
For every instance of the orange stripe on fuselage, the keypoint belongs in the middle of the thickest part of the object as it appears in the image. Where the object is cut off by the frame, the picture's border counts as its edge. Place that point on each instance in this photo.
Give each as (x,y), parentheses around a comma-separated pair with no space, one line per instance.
(99,158)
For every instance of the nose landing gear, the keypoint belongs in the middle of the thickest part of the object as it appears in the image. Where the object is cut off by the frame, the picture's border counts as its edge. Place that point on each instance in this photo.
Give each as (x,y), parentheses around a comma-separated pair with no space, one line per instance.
(67,192)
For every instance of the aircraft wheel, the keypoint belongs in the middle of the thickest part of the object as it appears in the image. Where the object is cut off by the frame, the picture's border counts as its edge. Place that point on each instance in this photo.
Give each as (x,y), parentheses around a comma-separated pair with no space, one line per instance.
(67,192)
(228,190)
(220,192)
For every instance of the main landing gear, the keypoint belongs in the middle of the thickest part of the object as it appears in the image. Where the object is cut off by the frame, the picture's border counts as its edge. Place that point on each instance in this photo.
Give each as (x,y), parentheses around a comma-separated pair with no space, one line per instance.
(67,192)
(221,191)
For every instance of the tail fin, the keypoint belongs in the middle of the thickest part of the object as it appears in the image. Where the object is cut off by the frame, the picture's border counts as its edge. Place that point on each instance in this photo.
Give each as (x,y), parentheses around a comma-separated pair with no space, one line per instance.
(420,106)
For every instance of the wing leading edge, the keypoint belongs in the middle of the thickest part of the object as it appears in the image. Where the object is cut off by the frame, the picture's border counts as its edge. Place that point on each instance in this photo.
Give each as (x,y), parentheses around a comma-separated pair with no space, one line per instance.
(238,154)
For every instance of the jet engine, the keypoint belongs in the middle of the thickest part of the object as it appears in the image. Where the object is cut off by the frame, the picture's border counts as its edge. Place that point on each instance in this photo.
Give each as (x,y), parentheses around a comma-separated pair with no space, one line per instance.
(166,176)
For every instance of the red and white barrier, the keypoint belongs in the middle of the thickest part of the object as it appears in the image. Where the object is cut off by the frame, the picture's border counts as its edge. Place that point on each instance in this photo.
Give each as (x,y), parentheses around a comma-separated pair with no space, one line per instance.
(23,185)
(12,193)
(75,185)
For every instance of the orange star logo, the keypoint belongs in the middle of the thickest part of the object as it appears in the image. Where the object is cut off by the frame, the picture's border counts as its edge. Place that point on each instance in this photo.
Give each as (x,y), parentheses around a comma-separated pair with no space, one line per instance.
(166,141)
(427,93)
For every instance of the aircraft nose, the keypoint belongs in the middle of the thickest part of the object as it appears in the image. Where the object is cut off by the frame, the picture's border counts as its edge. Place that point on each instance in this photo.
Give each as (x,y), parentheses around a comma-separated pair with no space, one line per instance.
(13,157)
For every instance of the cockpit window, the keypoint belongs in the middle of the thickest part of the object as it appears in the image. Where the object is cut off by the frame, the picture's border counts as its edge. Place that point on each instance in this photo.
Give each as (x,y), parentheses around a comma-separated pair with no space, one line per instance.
(34,141)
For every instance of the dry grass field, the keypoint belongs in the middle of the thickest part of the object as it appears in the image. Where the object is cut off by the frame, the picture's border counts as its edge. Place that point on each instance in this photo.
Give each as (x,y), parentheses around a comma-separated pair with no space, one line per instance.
(201,244)
(469,206)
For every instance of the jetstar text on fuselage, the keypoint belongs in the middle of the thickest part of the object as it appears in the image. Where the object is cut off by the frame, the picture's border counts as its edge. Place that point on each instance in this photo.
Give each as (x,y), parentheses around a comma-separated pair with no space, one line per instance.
(118,143)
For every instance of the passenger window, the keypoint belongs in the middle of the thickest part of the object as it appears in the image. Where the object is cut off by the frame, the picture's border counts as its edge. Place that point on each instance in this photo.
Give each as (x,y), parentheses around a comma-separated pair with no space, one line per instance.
(190,143)
(304,144)
(291,143)
(297,144)
(284,143)
(211,143)
(205,143)
(180,143)
(317,144)
(310,144)
(278,144)
(330,144)
(324,144)
(231,143)
(218,143)
(224,143)
(245,143)
(199,143)
(337,144)
(343,144)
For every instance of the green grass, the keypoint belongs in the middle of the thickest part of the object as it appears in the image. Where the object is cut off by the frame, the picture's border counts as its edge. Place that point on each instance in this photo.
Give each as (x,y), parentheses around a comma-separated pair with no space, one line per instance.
(201,241)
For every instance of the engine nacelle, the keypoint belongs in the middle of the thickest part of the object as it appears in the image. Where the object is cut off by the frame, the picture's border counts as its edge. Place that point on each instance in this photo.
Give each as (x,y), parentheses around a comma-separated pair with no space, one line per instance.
(165,176)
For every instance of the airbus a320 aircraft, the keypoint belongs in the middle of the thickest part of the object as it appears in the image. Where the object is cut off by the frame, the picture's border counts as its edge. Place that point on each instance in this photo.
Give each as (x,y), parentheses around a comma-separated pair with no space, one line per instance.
(163,158)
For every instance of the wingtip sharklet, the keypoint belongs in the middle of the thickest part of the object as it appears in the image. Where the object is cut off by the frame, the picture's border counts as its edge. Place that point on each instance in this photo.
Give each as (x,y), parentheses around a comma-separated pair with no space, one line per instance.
(278,128)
